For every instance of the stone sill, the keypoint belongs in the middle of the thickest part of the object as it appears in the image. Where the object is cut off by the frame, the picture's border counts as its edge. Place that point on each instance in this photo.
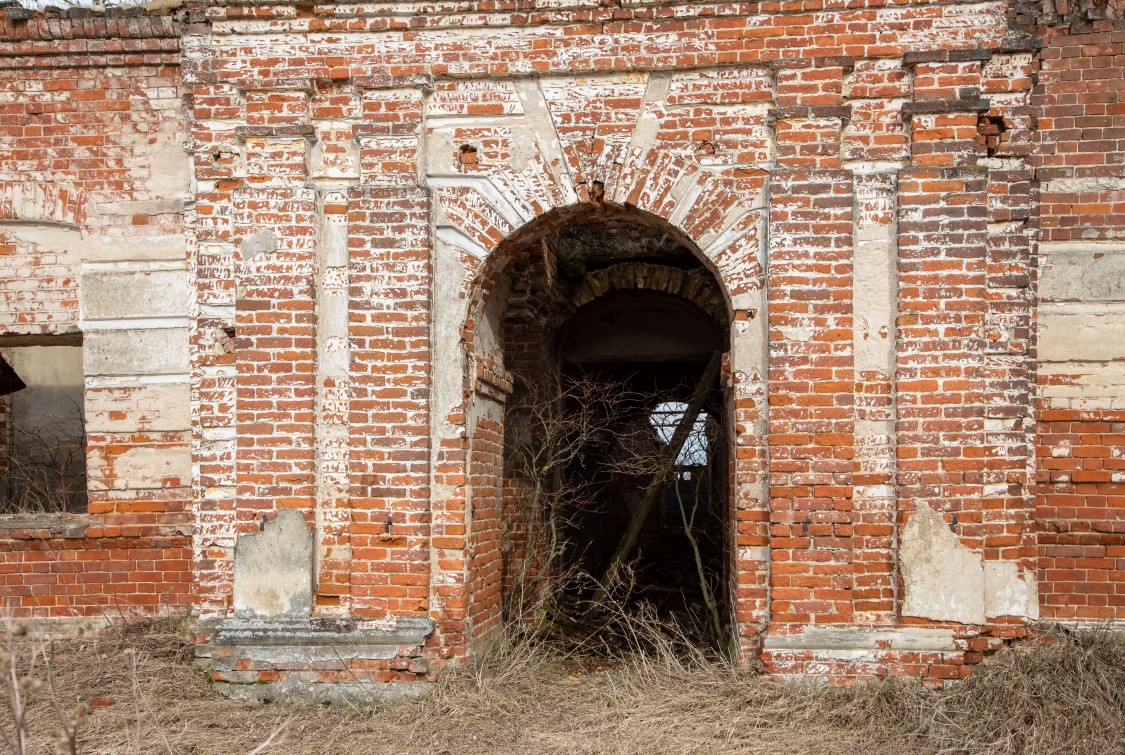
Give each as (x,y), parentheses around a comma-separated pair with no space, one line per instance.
(317,639)
(44,526)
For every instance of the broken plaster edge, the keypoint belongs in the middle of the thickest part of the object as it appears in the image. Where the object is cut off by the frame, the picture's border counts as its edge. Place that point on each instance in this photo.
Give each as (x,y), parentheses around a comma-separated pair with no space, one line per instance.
(945,580)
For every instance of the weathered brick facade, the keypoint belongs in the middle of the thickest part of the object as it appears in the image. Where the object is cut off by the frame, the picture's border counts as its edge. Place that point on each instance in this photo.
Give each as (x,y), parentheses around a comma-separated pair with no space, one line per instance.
(289,237)
(94,188)
(1080,475)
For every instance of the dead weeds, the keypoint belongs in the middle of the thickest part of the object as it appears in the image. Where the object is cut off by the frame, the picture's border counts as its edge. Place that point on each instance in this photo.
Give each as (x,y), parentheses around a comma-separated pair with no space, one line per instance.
(1063,695)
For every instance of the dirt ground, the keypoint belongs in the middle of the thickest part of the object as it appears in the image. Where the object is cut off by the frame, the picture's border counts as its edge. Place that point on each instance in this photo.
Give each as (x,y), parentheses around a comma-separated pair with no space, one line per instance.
(1066,695)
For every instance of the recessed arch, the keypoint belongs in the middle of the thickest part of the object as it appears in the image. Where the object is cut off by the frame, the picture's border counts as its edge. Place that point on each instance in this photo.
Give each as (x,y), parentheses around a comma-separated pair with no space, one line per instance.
(566,289)
(545,227)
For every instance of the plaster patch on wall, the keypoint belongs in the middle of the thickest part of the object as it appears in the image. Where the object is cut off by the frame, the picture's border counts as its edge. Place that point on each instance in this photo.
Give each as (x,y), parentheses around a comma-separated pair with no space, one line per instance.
(46,235)
(273,569)
(801,333)
(261,242)
(942,579)
(171,166)
(1081,336)
(145,468)
(1005,594)
(524,148)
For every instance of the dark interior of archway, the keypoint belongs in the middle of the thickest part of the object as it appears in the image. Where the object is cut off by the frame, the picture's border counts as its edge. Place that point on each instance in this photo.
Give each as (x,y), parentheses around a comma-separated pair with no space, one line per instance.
(615,302)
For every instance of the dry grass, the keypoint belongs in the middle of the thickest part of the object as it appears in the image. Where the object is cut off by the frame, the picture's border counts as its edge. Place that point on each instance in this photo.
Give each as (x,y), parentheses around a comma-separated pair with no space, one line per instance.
(1062,696)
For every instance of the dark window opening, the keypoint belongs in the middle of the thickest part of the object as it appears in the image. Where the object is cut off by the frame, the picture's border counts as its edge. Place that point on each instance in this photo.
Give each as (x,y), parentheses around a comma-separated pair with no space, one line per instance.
(42,430)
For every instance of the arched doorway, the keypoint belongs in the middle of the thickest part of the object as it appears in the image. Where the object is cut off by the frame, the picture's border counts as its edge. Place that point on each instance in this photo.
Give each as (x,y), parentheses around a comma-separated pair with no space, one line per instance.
(599,422)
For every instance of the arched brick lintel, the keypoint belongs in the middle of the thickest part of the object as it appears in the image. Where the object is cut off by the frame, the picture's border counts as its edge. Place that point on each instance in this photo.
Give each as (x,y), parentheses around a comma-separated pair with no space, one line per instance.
(542,229)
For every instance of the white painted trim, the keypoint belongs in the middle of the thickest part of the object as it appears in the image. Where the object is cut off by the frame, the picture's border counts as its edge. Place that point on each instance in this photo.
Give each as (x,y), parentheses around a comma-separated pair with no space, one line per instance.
(454,236)
(1093,245)
(483,186)
(845,641)
(88,325)
(219,433)
(134,266)
(132,381)
(436,122)
(217,311)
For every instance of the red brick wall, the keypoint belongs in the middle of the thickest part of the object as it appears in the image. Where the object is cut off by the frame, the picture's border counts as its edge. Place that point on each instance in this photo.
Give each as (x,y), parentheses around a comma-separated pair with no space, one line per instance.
(1080,507)
(1081,118)
(1081,511)
(772,140)
(86,106)
(693,148)
(811,417)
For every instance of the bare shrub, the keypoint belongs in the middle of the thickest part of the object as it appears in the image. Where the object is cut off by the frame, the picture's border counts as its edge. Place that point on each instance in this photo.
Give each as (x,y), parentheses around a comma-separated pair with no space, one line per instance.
(25,664)
(46,469)
(568,439)
(554,423)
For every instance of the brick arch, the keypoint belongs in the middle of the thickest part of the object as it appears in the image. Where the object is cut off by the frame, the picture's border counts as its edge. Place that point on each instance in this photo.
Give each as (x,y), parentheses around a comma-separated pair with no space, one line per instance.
(495,261)
(476,458)
(692,285)
(718,217)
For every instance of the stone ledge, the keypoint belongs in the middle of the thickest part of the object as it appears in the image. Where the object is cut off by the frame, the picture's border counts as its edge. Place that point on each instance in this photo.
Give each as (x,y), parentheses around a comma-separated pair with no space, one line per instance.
(340,661)
(938,107)
(298,641)
(44,526)
(946,56)
(293,689)
(294,130)
(810,112)
(861,639)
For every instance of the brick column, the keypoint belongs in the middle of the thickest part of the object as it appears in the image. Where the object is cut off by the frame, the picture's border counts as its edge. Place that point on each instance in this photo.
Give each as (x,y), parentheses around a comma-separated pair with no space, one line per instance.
(811,418)
(389,460)
(942,308)
(333,389)
(275,325)
(212,349)
(1005,134)
(811,401)
(875,304)
(390,274)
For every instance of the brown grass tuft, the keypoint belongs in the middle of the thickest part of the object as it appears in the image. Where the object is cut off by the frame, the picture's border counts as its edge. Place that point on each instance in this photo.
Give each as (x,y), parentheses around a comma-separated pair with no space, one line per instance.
(531,695)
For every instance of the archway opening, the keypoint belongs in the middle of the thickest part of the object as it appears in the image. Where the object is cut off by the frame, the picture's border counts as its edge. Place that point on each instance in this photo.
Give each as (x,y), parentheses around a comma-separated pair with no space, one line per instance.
(614,471)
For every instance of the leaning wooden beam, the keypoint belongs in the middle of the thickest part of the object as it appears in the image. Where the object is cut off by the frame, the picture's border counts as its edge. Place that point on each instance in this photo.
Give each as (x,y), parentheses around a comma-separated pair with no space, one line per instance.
(656,483)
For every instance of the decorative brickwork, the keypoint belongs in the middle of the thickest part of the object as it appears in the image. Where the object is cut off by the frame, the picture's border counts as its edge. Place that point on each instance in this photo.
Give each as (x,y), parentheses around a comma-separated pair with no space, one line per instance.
(307,246)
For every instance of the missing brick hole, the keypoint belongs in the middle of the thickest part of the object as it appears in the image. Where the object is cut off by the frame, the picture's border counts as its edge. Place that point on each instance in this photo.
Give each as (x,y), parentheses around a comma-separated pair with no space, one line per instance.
(226,341)
(467,154)
(990,129)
